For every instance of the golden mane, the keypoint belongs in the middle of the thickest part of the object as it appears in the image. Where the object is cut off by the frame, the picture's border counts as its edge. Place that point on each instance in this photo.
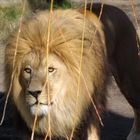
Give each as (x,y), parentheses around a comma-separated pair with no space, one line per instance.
(66,38)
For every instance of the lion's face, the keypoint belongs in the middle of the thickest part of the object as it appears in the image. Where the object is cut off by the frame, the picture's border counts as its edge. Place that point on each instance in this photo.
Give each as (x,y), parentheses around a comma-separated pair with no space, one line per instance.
(42,83)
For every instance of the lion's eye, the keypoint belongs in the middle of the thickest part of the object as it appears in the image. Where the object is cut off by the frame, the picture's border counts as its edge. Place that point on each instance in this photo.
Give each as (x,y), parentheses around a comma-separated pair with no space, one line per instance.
(28,70)
(51,69)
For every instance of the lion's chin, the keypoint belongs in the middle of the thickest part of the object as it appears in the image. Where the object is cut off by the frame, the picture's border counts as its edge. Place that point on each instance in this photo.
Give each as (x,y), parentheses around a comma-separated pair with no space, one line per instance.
(40,110)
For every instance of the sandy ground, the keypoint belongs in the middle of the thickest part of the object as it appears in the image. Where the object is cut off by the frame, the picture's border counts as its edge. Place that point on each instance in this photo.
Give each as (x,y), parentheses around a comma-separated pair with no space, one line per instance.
(119,117)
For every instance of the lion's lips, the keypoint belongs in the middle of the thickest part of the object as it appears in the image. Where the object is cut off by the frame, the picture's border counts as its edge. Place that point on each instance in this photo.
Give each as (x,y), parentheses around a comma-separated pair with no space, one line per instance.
(36,103)
(41,103)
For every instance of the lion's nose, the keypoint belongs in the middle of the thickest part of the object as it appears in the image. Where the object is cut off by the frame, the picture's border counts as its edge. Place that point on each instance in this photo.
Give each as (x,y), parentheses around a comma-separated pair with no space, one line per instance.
(35,93)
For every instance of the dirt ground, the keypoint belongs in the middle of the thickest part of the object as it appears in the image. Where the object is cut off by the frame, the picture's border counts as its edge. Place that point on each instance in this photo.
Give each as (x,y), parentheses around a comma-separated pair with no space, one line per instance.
(119,116)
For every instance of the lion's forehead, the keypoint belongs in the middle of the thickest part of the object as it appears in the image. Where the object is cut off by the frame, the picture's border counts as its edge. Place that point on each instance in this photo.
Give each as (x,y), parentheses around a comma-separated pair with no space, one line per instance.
(40,62)
(35,58)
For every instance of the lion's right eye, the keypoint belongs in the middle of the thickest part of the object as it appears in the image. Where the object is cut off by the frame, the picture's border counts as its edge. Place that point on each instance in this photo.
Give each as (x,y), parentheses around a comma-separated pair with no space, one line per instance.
(28,70)
(51,69)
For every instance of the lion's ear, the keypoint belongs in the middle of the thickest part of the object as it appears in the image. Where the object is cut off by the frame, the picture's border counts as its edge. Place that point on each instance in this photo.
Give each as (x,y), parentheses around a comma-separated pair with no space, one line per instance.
(92,18)
(80,11)
(97,25)
(89,14)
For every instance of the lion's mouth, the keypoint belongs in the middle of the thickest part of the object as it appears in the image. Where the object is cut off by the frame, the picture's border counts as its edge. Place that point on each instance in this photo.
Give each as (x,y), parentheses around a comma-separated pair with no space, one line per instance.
(36,103)
(40,109)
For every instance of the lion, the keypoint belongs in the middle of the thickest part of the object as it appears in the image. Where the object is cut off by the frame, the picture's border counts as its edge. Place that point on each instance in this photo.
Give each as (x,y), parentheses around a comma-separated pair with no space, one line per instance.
(58,66)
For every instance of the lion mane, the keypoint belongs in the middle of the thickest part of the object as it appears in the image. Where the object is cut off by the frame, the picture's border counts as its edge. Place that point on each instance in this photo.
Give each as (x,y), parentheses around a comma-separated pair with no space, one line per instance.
(79,43)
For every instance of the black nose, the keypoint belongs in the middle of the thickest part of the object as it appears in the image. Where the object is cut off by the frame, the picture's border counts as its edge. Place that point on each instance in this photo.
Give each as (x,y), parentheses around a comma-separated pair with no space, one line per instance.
(35,93)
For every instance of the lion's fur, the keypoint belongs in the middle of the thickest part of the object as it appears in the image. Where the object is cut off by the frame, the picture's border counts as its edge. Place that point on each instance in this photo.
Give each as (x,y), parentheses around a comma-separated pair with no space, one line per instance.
(82,57)
(65,42)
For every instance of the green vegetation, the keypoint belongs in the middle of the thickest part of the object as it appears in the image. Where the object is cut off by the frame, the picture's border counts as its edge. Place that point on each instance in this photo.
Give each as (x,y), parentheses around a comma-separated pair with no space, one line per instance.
(45,4)
(8,19)
(64,4)
(10,13)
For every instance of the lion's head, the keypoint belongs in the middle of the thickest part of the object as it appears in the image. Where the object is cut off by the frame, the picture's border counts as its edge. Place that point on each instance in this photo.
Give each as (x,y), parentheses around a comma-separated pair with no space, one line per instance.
(59,71)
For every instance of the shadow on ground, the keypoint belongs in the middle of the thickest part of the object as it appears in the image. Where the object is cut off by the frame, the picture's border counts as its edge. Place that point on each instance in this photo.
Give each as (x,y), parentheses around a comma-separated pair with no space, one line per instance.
(7,131)
(116,127)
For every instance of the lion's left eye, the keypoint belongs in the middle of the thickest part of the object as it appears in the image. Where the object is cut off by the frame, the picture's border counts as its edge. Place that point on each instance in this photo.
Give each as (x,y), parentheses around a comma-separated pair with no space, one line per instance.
(28,70)
(51,69)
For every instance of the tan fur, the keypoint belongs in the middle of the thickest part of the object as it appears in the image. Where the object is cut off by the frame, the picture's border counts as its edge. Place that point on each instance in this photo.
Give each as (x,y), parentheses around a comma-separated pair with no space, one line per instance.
(64,48)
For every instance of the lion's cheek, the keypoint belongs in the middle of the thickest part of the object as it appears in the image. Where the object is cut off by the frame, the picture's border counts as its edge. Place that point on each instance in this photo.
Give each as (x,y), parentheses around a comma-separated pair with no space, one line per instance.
(19,101)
